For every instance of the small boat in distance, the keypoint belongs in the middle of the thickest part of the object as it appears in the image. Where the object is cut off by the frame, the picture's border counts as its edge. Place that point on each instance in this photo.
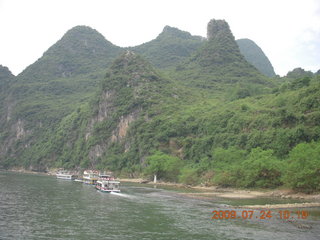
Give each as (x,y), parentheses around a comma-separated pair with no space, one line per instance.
(65,175)
(107,184)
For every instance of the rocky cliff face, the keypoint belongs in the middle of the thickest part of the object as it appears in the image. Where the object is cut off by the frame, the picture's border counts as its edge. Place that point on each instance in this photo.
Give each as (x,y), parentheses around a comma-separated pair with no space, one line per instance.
(128,90)
(101,132)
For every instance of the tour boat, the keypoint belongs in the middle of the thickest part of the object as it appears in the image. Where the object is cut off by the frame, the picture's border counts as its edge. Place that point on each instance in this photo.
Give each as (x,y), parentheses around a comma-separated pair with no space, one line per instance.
(90,177)
(107,184)
(65,176)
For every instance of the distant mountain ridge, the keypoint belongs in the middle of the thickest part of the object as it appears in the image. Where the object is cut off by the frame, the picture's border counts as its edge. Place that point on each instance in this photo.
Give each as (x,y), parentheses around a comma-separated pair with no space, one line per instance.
(254,55)
(169,48)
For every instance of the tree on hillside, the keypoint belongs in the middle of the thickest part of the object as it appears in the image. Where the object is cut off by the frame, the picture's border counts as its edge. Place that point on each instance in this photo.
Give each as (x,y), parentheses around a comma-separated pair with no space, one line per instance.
(163,166)
(303,172)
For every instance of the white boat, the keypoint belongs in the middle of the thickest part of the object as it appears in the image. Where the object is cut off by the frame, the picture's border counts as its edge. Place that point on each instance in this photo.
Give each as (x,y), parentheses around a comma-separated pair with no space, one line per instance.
(90,177)
(107,184)
(65,176)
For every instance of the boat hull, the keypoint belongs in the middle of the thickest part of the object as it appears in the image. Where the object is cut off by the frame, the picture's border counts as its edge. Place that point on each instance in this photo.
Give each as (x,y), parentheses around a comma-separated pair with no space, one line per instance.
(104,190)
(66,177)
(89,182)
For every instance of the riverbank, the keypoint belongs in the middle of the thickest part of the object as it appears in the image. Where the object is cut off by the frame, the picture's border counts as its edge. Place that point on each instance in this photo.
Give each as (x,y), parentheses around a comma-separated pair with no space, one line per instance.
(202,192)
(283,206)
(22,170)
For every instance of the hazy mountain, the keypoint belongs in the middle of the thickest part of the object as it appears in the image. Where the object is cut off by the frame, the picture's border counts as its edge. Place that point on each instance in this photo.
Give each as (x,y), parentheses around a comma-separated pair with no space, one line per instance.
(254,55)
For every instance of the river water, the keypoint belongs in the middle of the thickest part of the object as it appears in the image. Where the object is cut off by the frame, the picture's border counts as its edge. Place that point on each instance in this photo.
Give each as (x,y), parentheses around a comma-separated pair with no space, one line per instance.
(43,207)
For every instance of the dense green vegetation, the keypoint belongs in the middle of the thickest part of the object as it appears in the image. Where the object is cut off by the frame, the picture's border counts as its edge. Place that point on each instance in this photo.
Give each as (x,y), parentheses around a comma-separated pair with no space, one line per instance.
(209,118)
(248,142)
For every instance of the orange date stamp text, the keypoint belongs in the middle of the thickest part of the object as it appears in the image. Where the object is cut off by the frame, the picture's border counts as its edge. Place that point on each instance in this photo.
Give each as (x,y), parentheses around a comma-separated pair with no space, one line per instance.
(259,214)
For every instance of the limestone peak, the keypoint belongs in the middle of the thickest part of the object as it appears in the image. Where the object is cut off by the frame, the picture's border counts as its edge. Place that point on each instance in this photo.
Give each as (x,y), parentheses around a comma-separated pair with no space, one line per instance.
(218,28)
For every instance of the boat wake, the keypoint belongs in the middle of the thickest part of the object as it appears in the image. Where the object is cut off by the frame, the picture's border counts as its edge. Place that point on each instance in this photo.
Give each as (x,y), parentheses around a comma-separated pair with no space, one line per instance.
(122,195)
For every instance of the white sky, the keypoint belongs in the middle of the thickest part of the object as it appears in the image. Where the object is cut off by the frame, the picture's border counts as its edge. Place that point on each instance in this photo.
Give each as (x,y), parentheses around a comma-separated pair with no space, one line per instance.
(288,31)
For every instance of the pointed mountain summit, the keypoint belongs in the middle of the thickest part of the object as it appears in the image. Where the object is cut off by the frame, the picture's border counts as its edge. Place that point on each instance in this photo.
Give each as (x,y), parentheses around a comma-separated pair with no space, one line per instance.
(172,46)
(221,47)
(254,55)
(218,61)
(80,51)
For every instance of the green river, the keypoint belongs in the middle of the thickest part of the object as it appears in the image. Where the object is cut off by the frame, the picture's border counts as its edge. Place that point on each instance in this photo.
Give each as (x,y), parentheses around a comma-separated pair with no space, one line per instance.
(43,207)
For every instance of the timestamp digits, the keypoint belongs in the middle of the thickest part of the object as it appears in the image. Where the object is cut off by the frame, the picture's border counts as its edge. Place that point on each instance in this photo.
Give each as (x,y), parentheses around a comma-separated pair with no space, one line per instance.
(258,214)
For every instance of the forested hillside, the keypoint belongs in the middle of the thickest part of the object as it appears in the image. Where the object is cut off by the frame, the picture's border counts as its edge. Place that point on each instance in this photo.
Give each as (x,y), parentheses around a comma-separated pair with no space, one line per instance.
(197,113)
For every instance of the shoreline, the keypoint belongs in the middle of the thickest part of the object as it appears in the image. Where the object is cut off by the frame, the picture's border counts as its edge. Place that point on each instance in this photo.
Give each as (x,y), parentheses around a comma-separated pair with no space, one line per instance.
(214,191)
(22,170)
(282,206)
(231,193)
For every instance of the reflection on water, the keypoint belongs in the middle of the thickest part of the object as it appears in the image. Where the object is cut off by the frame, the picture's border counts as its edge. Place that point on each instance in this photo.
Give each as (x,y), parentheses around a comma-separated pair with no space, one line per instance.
(42,207)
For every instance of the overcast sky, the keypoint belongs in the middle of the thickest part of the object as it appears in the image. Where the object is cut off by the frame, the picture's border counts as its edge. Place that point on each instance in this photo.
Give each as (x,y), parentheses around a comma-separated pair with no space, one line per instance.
(288,31)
